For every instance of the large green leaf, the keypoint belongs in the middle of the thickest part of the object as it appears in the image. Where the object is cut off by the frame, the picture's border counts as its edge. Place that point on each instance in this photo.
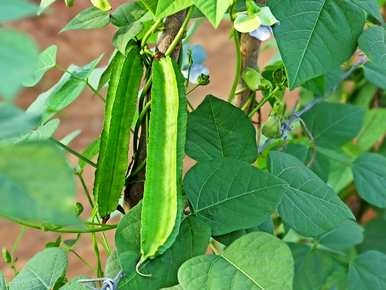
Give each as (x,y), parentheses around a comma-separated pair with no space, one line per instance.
(42,271)
(370,178)
(16,9)
(216,129)
(367,272)
(345,236)
(90,18)
(374,236)
(374,128)
(375,74)
(232,195)
(47,60)
(309,205)
(127,14)
(333,125)
(36,184)
(257,261)
(192,240)
(371,7)
(373,43)
(315,36)
(14,122)
(18,58)
(312,267)
(66,91)
(214,10)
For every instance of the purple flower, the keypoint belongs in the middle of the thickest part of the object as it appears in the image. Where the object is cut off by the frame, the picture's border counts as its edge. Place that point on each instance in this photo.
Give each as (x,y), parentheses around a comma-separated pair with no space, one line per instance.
(262,33)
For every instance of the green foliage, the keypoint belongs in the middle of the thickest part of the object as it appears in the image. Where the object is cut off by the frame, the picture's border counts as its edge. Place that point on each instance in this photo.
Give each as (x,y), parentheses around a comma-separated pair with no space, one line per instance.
(278,196)
(42,271)
(236,267)
(216,129)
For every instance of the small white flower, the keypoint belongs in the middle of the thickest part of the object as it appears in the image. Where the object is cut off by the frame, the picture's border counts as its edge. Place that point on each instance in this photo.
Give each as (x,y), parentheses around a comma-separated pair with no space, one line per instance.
(262,33)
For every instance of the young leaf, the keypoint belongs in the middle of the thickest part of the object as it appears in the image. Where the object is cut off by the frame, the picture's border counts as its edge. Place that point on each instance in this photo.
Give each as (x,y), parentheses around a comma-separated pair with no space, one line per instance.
(372,43)
(191,241)
(370,178)
(372,8)
(214,10)
(367,272)
(48,197)
(15,123)
(216,129)
(120,109)
(18,58)
(15,9)
(309,205)
(312,267)
(90,18)
(236,268)
(345,236)
(127,14)
(47,60)
(374,128)
(315,36)
(374,236)
(42,271)
(332,125)
(66,91)
(232,195)
(165,155)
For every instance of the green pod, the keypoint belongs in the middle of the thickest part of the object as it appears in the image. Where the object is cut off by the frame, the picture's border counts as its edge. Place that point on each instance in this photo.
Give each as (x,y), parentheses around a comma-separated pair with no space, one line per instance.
(121,102)
(162,201)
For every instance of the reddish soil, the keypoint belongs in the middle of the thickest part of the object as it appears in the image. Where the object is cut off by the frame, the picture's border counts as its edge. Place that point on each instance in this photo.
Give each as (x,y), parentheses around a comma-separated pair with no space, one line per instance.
(86,113)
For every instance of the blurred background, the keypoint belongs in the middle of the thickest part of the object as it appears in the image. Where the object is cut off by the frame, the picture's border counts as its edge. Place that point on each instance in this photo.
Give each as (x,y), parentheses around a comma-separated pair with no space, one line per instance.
(86,113)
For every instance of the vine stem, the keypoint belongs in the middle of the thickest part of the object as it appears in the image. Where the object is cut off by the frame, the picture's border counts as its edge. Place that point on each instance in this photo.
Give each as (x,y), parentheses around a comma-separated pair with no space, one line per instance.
(148,33)
(180,34)
(236,39)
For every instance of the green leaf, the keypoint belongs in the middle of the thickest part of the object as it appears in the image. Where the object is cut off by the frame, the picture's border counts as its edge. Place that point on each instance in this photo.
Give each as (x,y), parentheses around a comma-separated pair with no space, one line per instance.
(370,178)
(3,283)
(373,43)
(90,18)
(177,287)
(47,60)
(125,34)
(121,102)
(42,271)
(315,36)
(75,285)
(320,164)
(309,205)
(236,268)
(345,236)
(312,267)
(162,198)
(44,4)
(374,128)
(214,10)
(127,14)
(15,123)
(36,184)
(367,272)
(64,93)
(371,7)
(18,58)
(231,195)
(374,236)
(246,23)
(332,125)
(89,152)
(163,8)
(192,240)
(43,132)
(16,9)
(375,74)
(103,5)
(217,129)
